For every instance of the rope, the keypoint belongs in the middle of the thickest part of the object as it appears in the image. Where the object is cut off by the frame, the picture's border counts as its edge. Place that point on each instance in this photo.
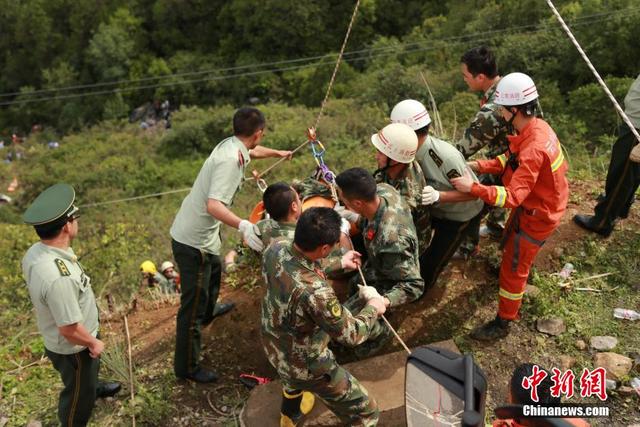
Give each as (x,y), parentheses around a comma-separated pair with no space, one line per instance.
(326,95)
(128,199)
(594,71)
(364,282)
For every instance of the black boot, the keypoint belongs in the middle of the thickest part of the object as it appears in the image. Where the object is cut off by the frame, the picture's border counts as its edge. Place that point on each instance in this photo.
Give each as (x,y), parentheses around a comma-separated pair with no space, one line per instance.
(496,329)
(107,389)
(588,222)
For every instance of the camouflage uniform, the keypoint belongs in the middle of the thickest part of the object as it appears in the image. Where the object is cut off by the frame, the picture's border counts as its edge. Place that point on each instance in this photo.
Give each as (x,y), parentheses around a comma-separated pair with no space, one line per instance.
(300,315)
(392,245)
(410,187)
(488,129)
(271,230)
(311,187)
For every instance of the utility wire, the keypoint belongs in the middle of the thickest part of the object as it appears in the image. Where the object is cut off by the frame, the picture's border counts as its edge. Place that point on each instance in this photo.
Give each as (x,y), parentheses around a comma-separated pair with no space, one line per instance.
(578,21)
(323,62)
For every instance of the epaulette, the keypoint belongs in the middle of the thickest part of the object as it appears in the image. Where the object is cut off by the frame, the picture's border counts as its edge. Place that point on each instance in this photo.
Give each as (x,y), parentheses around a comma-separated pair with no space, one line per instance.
(62,267)
(435,157)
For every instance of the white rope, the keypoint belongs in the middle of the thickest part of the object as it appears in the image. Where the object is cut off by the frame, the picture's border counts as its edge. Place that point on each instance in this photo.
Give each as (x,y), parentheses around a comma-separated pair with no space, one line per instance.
(594,71)
(128,199)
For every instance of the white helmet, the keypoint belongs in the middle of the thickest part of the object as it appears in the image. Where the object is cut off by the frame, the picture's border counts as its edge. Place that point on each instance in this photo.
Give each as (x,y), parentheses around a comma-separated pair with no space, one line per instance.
(165,265)
(411,113)
(397,141)
(515,89)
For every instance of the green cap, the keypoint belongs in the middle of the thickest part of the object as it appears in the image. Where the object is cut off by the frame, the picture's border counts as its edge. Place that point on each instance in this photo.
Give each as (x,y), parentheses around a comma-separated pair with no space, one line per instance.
(53,204)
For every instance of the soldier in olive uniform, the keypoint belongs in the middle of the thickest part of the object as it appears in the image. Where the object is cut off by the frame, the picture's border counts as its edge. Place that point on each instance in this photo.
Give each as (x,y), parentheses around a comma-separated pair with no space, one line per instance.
(195,236)
(301,314)
(65,305)
(487,129)
(440,162)
(396,147)
(283,205)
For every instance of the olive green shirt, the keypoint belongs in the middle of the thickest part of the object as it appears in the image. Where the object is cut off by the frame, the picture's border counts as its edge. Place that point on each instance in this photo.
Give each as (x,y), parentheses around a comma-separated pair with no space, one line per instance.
(219,179)
(61,293)
(441,162)
(632,103)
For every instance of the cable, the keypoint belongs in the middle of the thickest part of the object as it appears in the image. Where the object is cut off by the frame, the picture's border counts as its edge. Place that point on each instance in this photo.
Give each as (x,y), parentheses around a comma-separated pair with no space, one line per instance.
(594,71)
(128,199)
(347,55)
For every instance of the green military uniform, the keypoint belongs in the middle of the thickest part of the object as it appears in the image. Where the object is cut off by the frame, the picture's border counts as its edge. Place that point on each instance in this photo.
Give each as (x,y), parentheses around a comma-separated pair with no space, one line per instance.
(196,247)
(300,315)
(271,230)
(391,243)
(410,186)
(488,129)
(62,295)
(441,162)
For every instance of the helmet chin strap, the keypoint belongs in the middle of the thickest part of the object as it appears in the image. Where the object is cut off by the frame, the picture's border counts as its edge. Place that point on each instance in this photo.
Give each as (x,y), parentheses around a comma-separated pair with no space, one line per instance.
(386,167)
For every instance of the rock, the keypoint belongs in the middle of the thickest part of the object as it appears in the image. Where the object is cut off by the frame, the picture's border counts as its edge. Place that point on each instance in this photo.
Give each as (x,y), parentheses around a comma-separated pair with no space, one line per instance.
(532,291)
(551,326)
(581,345)
(626,391)
(3,421)
(34,423)
(567,362)
(616,365)
(603,343)
(558,252)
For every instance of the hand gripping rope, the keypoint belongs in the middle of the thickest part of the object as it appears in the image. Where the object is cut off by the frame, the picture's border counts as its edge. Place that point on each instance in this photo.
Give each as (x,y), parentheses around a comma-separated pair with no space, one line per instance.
(635,153)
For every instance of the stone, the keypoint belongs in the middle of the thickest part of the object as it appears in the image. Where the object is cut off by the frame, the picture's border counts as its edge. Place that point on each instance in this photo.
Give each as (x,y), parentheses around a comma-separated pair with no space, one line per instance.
(34,423)
(567,362)
(581,345)
(551,326)
(616,365)
(532,291)
(557,252)
(626,391)
(603,343)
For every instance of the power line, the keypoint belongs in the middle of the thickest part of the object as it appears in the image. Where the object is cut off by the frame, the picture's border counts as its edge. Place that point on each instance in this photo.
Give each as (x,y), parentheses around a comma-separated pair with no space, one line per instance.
(584,20)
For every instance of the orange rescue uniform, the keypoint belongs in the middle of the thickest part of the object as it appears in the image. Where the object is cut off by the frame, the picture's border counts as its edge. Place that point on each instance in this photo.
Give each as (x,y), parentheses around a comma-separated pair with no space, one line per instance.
(536,189)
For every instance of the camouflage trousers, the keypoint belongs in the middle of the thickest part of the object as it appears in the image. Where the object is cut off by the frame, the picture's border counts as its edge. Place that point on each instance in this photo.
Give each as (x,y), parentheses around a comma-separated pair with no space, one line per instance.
(380,333)
(343,394)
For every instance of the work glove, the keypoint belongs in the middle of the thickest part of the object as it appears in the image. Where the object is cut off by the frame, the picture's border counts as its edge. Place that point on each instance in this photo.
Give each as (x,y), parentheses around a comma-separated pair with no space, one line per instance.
(345,226)
(350,261)
(430,195)
(251,235)
(347,214)
(366,292)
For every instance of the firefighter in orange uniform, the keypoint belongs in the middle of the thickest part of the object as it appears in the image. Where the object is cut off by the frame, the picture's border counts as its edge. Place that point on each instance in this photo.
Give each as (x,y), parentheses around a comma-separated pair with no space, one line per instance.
(536,189)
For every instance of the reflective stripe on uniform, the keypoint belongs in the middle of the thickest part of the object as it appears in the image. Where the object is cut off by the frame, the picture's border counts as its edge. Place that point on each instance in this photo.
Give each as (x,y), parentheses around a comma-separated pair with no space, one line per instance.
(503,159)
(508,295)
(555,165)
(501,196)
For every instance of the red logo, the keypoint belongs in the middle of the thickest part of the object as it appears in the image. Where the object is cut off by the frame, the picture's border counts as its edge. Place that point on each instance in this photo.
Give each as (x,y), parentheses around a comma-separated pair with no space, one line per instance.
(562,383)
(594,383)
(370,234)
(533,381)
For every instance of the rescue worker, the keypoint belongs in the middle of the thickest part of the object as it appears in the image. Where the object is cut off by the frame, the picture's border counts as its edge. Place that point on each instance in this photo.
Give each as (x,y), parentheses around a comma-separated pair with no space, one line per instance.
(392,266)
(535,187)
(152,278)
(487,130)
(623,176)
(301,314)
(65,306)
(168,270)
(440,162)
(283,205)
(195,235)
(396,146)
